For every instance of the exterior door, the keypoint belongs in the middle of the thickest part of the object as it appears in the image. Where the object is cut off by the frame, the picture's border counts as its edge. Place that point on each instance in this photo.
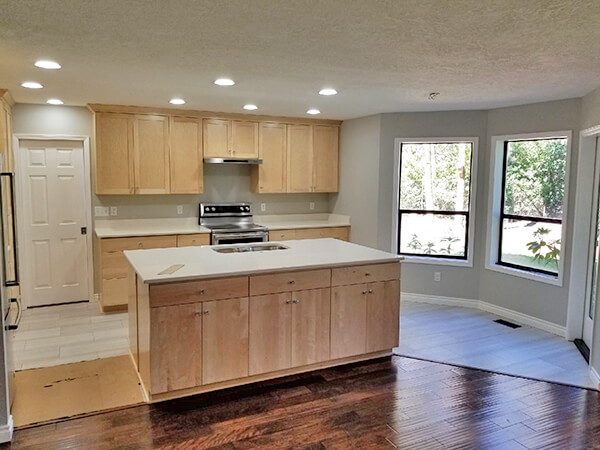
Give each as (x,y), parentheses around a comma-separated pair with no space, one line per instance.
(54,211)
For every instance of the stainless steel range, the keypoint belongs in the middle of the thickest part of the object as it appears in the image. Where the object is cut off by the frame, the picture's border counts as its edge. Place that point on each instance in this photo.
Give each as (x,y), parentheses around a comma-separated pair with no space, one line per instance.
(231,223)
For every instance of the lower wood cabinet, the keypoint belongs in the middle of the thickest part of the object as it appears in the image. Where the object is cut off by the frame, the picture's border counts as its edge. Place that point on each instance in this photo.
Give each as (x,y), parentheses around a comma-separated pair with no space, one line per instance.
(342,233)
(190,339)
(290,329)
(224,340)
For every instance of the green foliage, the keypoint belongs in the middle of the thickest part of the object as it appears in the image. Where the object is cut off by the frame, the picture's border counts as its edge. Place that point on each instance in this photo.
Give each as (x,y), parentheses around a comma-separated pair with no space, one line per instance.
(450,240)
(535,175)
(547,252)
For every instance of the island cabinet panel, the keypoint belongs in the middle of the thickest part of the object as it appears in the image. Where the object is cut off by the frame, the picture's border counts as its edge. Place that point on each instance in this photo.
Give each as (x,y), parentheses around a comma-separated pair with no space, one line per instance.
(198,291)
(186,155)
(290,281)
(348,320)
(225,340)
(383,314)
(270,333)
(365,274)
(114,153)
(193,240)
(310,326)
(151,154)
(176,347)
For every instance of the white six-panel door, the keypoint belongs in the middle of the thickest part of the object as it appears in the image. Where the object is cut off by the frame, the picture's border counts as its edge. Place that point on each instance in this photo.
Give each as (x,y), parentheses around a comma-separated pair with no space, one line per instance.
(54,211)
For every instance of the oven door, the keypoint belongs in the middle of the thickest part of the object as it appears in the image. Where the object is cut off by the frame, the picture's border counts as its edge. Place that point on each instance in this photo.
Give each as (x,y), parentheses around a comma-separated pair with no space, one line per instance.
(239,238)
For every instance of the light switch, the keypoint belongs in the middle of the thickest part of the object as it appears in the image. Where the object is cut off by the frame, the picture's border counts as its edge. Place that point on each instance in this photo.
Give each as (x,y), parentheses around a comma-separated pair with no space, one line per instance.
(101,211)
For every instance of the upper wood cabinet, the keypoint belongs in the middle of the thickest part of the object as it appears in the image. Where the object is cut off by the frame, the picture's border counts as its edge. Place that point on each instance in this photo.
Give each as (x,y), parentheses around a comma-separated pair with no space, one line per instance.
(151,154)
(186,155)
(230,138)
(114,153)
(6,133)
(270,176)
(299,159)
(325,158)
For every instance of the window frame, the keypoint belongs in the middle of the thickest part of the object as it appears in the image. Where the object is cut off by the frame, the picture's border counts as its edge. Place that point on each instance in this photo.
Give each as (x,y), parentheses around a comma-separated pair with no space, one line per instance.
(462,261)
(499,146)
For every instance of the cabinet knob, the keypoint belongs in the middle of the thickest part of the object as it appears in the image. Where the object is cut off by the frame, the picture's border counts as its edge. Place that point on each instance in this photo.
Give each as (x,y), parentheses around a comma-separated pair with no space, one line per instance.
(292,281)
(364,292)
(205,312)
(367,274)
(198,313)
(295,301)
(370,291)
(201,292)
(288,302)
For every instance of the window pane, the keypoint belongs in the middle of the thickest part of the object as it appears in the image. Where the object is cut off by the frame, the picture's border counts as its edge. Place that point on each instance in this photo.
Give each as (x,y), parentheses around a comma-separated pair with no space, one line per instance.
(535,177)
(435,176)
(433,234)
(531,244)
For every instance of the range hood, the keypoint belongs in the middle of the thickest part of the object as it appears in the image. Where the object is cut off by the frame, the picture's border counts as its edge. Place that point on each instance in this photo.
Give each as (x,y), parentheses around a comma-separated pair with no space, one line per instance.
(232,161)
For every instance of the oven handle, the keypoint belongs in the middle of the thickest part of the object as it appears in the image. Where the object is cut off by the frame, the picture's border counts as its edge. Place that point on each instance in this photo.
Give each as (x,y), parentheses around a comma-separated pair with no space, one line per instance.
(240,235)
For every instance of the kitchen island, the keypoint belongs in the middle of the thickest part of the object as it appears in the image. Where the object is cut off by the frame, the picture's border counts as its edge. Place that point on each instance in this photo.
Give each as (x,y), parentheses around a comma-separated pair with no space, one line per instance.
(212,317)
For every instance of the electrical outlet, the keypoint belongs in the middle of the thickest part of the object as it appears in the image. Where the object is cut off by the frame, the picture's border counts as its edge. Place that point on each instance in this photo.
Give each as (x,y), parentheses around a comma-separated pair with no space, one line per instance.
(179,209)
(263,206)
(311,205)
(437,276)
(101,211)
(113,210)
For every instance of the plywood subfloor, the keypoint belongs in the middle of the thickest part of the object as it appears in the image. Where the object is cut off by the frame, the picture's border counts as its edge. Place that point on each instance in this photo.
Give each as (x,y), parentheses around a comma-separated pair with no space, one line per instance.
(67,390)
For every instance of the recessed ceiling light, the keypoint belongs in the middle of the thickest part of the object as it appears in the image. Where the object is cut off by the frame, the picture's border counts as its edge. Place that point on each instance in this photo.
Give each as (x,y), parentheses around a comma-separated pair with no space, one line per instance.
(32,85)
(224,82)
(177,101)
(47,64)
(250,107)
(327,91)
(313,111)
(55,101)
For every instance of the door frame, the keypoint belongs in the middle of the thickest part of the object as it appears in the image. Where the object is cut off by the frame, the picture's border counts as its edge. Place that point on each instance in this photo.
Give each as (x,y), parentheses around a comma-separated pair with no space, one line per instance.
(87,177)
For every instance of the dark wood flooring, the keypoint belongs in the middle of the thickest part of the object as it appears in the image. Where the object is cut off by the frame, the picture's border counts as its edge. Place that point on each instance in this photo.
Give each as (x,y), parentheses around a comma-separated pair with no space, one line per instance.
(388,403)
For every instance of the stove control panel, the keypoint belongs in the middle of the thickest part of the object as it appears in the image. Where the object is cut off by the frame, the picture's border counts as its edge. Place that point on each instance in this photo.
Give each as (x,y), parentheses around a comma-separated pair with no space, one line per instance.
(225,209)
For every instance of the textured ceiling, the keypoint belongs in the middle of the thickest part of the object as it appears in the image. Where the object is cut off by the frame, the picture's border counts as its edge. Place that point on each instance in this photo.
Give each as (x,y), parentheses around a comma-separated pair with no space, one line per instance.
(382,55)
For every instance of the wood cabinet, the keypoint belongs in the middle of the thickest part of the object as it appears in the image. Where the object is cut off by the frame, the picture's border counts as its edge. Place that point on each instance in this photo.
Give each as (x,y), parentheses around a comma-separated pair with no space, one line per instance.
(342,233)
(270,176)
(299,158)
(186,166)
(225,138)
(325,158)
(151,154)
(206,334)
(193,240)
(6,132)
(224,340)
(176,347)
(114,153)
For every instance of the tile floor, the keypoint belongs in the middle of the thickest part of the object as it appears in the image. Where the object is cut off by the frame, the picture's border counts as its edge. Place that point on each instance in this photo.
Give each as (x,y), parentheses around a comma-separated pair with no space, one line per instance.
(469,337)
(65,334)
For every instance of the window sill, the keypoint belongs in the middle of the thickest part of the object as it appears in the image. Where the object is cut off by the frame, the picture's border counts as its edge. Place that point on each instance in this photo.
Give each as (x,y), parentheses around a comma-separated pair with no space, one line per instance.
(436,261)
(539,277)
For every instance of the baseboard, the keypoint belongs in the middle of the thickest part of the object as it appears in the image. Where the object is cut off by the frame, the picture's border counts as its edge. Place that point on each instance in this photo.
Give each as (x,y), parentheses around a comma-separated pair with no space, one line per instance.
(488,307)
(6,431)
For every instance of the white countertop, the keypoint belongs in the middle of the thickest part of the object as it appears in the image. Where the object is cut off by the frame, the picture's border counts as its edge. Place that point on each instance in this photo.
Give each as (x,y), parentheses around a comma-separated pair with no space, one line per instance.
(204,262)
(287,221)
(189,225)
(147,227)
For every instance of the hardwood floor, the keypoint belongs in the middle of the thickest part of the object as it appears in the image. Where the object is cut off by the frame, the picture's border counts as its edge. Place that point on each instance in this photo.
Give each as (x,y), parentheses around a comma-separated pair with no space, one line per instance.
(387,403)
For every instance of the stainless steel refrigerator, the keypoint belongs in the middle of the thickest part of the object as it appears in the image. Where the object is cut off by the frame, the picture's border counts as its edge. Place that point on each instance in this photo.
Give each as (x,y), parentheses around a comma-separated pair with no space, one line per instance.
(10,299)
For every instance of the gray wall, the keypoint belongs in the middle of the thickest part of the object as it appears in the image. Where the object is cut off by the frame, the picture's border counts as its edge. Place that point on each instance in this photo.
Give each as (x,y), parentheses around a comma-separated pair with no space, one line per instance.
(590,110)
(359,180)
(529,297)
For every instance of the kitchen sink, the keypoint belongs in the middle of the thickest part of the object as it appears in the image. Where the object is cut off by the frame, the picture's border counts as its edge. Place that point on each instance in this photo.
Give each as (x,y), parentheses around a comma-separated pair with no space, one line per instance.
(250,248)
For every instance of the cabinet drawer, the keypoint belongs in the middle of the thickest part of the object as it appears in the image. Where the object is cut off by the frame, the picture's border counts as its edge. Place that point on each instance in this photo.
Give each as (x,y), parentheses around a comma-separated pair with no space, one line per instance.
(198,291)
(365,274)
(290,281)
(326,232)
(110,245)
(282,235)
(193,240)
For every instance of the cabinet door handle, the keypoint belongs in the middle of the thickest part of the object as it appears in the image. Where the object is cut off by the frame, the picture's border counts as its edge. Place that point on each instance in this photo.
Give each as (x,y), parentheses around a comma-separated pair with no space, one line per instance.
(198,313)
(292,281)
(295,301)
(205,312)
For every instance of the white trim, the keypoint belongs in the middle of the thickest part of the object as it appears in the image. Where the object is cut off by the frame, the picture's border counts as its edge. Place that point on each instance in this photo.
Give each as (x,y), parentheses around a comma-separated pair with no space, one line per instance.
(516,316)
(472,201)
(494,205)
(6,431)
(595,377)
(85,140)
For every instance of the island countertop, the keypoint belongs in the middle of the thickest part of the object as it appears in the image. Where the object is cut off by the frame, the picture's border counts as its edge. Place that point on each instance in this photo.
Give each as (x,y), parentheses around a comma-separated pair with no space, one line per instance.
(203,262)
